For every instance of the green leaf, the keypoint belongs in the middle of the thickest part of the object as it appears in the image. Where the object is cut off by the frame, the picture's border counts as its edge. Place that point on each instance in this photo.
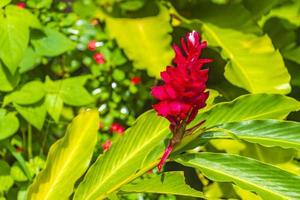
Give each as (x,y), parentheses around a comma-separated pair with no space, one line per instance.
(53,44)
(54,104)
(167,183)
(67,160)
(146,41)
(249,107)
(23,15)
(246,107)
(267,181)
(125,158)
(259,8)
(250,58)
(30,93)
(288,11)
(5,179)
(269,133)
(7,81)
(9,124)
(14,37)
(70,90)
(4,3)
(34,114)
(292,54)
(29,61)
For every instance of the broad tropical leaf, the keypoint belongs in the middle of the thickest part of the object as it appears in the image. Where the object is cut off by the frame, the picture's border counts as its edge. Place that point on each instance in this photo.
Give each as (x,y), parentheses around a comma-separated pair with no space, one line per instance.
(167,183)
(249,57)
(248,107)
(267,181)
(146,41)
(67,160)
(125,158)
(285,134)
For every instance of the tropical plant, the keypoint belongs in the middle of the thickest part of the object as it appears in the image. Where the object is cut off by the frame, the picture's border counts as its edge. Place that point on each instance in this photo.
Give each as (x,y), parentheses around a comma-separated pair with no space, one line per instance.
(61,59)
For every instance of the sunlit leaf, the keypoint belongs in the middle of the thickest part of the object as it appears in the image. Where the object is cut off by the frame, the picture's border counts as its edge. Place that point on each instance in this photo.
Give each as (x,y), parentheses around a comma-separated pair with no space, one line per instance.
(267,181)
(285,134)
(250,58)
(67,159)
(146,41)
(121,163)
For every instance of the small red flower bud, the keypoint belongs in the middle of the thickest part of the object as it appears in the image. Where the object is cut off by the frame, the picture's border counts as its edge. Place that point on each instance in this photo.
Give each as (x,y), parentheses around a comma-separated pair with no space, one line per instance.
(99,58)
(92,45)
(106,145)
(135,80)
(101,125)
(19,149)
(21,5)
(117,128)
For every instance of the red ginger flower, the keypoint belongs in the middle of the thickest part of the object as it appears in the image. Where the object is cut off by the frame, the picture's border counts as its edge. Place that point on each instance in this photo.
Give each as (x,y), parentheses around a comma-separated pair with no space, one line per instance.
(183,92)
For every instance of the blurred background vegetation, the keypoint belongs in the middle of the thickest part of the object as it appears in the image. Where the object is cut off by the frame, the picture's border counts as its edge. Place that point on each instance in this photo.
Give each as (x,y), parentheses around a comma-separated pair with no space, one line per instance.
(59,56)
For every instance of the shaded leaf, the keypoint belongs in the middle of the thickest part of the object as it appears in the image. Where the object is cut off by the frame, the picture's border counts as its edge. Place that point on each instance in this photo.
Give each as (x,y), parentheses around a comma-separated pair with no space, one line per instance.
(5,179)
(167,183)
(67,160)
(268,181)
(8,81)
(54,104)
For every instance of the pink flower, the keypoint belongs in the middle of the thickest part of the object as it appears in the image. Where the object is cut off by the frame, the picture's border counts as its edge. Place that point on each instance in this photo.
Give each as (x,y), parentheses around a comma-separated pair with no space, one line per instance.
(99,58)
(21,5)
(183,92)
(106,145)
(136,80)
(117,128)
(92,45)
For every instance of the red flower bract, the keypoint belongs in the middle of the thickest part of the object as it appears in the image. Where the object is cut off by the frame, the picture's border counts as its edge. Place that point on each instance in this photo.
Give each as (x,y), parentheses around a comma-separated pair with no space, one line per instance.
(183,92)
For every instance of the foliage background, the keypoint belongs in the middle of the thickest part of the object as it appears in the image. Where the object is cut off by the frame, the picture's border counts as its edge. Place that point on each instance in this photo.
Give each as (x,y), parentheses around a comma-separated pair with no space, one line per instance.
(47,72)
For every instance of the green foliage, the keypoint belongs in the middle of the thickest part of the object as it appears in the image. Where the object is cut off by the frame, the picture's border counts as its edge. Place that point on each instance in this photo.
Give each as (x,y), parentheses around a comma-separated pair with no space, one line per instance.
(265,132)
(9,124)
(119,165)
(167,183)
(48,71)
(266,180)
(244,71)
(147,49)
(68,159)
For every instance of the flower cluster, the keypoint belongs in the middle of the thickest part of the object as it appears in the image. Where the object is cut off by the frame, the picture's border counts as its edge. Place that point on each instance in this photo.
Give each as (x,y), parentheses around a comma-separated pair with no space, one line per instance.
(183,92)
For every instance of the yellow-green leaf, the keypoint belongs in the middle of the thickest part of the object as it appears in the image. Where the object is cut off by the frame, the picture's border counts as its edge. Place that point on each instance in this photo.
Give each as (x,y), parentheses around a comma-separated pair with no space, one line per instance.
(146,41)
(67,160)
